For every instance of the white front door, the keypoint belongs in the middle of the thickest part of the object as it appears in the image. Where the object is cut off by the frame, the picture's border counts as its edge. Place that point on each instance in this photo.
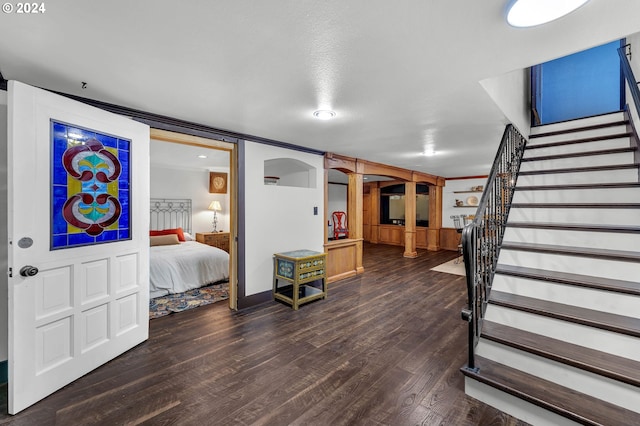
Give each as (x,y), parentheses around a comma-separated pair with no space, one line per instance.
(78,202)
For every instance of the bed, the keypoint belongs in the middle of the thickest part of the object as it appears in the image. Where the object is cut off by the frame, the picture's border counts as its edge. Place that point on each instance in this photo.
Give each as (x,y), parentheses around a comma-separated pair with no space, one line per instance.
(177,266)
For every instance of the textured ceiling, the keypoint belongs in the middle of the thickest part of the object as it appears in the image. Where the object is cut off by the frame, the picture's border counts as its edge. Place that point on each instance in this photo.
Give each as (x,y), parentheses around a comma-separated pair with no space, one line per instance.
(401,76)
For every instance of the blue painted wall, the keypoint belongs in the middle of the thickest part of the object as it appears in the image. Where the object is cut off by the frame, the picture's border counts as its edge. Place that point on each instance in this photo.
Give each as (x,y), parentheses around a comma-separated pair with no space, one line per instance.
(580,85)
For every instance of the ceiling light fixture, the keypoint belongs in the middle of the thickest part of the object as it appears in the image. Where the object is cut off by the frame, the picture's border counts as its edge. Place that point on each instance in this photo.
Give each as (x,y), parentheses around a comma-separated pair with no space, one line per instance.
(429,152)
(324,114)
(202,156)
(529,13)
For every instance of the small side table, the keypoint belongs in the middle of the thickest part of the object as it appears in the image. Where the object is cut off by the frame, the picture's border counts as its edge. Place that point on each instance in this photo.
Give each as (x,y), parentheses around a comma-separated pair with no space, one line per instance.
(299,269)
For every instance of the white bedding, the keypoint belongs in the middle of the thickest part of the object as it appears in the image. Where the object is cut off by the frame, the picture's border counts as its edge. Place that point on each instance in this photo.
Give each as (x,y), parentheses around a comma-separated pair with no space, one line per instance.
(180,267)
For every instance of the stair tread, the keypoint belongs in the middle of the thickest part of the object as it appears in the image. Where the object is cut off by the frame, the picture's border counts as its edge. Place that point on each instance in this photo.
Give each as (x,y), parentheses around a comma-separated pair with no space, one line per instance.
(582,140)
(566,402)
(620,286)
(575,251)
(576,227)
(580,169)
(580,154)
(589,317)
(578,205)
(612,366)
(578,186)
(622,122)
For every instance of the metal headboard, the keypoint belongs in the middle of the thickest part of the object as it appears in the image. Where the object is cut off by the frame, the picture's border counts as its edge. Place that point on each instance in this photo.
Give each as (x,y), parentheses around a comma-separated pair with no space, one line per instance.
(167,213)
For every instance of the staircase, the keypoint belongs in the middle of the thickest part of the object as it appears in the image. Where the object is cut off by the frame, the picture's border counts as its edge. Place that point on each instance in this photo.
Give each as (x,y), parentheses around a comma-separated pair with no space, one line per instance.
(560,340)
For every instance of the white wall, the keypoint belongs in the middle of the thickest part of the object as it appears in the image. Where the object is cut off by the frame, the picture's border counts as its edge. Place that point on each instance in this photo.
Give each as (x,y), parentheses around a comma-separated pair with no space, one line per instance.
(511,93)
(449,198)
(278,218)
(194,184)
(4,280)
(299,179)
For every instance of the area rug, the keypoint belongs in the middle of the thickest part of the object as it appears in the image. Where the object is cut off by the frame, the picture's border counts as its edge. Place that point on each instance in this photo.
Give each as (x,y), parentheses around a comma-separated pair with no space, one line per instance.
(451,267)
(165,305)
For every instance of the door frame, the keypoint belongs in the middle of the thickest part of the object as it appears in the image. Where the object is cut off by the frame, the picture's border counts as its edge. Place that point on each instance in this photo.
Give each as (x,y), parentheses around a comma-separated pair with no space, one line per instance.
(231,148)
(538,91)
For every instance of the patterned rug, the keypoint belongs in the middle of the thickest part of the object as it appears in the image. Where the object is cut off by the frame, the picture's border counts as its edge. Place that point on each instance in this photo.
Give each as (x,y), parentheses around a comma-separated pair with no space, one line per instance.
(165,305)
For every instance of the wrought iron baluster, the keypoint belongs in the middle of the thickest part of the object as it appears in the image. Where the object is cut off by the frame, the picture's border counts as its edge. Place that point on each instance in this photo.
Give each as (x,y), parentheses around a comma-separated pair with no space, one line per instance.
(482,237)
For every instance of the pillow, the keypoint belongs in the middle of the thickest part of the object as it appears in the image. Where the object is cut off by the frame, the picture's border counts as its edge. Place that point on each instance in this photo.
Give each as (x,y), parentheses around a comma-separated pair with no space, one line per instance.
(188,237)
(177,231)
(163,240)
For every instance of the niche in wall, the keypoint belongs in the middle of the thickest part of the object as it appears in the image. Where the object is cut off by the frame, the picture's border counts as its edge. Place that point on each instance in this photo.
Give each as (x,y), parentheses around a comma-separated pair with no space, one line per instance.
(289,172)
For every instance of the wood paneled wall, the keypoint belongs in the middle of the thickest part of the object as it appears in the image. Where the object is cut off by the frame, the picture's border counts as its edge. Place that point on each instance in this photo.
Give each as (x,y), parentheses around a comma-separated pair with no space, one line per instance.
(449,239)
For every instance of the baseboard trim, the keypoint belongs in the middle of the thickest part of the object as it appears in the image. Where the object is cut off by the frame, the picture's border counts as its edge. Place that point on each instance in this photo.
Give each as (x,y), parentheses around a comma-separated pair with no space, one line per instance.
(254,299)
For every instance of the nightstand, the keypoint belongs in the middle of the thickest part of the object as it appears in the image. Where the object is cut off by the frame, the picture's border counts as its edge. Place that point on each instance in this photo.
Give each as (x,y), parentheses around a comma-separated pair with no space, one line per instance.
(215,239)
(305,275)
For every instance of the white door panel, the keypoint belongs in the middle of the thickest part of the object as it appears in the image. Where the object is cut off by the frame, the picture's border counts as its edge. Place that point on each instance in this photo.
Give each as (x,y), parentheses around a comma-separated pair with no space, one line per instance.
(88,303)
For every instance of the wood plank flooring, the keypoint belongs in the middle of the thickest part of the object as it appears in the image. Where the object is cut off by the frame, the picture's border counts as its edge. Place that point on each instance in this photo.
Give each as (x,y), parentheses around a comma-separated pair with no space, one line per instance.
(385,348)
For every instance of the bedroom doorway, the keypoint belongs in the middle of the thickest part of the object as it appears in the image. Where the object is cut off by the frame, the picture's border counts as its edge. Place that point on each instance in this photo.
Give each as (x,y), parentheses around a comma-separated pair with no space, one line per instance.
(203,171)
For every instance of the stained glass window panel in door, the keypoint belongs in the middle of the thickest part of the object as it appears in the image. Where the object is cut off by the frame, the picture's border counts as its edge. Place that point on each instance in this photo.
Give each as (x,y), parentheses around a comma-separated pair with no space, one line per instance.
(90,191)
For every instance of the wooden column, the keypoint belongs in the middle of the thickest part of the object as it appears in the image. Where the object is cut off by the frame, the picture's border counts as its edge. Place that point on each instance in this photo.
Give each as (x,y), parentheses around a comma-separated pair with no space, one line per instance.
(374,210)
(410,220)
(327,218)
(435,217)
(354,217)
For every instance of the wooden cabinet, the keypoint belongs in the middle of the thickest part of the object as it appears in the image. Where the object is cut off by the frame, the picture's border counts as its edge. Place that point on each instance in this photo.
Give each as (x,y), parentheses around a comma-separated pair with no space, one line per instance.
(391,234)
(300,270)
(215,239)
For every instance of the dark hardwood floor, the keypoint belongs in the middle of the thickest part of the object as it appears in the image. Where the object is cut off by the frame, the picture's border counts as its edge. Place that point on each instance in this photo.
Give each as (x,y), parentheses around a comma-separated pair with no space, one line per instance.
(385,348)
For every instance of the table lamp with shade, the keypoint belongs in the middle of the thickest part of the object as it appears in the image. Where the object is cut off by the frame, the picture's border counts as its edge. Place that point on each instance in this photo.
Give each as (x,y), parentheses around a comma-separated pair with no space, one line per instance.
(216,207)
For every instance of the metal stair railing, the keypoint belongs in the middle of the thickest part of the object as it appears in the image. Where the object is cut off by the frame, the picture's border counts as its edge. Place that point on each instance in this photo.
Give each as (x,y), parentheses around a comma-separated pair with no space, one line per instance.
(482,237)
(632,83)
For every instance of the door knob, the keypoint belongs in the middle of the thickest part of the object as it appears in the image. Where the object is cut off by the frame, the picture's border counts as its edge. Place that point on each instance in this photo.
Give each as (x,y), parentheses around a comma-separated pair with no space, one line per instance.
(28,271)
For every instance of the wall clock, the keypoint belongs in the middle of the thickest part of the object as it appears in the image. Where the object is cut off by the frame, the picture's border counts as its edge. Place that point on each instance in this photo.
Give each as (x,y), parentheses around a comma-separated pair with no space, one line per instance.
(217,183)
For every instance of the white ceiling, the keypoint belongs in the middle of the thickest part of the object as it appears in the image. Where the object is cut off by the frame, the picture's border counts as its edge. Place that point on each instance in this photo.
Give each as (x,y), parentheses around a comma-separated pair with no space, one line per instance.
(400,75)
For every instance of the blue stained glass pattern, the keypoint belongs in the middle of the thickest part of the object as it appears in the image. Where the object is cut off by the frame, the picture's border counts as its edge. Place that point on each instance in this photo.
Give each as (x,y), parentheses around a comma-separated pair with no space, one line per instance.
(90,187)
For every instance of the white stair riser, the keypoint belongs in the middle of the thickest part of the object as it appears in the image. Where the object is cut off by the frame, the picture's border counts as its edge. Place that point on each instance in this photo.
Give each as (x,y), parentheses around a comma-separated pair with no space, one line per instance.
(518,408)
(597,386)
(591,195)
(623,158)
(597,216)
(590,121)
(589,298)
(579,147)
(584,134)
(613,269)
(604,176)
(566,238)
(590,337)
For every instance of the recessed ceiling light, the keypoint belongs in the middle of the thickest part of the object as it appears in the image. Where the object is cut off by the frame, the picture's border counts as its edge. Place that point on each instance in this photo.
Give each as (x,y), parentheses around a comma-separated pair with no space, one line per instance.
(529,13)
(429,152)
(324,114)
(202,156)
